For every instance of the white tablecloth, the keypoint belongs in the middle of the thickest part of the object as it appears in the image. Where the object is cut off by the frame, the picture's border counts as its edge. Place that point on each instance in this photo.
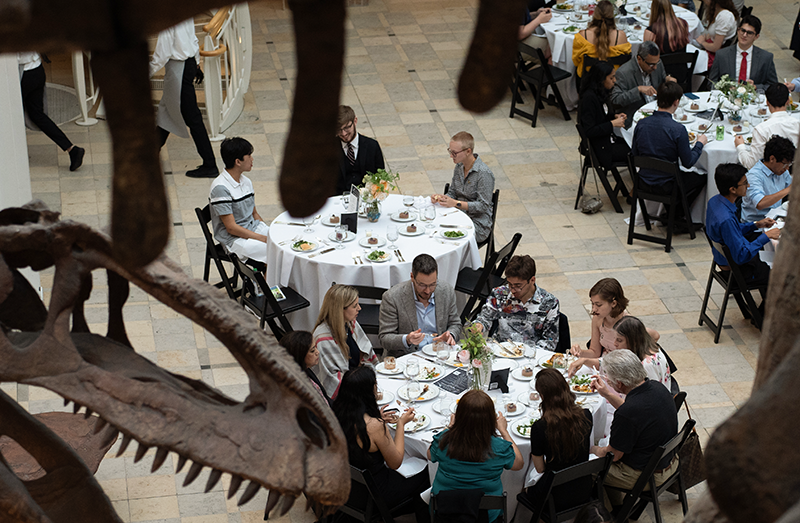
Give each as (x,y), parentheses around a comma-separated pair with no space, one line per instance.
(312,277)
(416,444)
(561,45)
(768,253)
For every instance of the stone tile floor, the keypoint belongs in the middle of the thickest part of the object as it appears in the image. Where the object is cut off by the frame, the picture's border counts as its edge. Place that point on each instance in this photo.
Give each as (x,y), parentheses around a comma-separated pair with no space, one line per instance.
(403,62)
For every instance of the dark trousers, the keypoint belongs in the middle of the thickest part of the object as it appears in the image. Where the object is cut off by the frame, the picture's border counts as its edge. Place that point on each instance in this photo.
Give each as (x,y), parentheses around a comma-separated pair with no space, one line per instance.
(693,185)
(32,86)
(192,117)
(756,271)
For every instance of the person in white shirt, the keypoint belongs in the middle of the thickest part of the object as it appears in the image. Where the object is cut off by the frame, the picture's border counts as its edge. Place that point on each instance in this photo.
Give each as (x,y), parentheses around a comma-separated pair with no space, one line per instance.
(780,123)
(178,51)
(32,83)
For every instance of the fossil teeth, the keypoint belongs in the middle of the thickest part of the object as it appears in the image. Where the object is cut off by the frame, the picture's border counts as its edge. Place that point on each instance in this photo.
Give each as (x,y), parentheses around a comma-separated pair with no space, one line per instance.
(140,452)
(100,425)
(286,504)
(111,437)
(272,499)
(161,456)
(66,402)
(76,408)
(126,440)
(249,492)
(236,482)
(87,414)
(194,471)
(212,479)
(181,463)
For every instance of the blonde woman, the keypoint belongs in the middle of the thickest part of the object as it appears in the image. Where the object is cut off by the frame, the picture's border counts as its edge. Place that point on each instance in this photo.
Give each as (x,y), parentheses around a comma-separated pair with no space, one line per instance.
(340,340)
(600,39)
(669,32)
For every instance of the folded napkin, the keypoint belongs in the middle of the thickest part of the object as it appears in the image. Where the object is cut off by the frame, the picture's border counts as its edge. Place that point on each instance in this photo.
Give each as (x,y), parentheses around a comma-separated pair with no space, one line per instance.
(412,466)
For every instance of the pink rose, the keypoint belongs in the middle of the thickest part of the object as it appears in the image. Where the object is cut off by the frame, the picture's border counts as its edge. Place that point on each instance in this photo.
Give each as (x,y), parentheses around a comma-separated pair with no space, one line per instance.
(477,363)
(463,356)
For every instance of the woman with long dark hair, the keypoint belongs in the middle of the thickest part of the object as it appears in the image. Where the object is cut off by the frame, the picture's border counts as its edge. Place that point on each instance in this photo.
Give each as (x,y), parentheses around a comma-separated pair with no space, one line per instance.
(300,345)
(370,444)
(631,334)
(469,454)
(720,21)
(670,33)
(560,438)
(596,115)
(601,39)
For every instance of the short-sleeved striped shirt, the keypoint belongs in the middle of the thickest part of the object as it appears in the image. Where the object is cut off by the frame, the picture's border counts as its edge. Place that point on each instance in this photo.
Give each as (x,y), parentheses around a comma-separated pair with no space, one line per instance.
(229,197)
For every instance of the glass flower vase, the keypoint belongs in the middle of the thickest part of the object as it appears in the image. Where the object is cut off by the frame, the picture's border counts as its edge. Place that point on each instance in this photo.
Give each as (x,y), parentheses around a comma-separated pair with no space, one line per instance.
(481,375)
(374,210)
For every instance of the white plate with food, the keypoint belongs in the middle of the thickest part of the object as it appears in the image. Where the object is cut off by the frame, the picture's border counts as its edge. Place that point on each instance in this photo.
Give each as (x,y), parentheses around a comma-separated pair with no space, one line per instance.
(524,373)
(419,422)
(509,349)
(556,361)
(759,112)
(386,397)
(740,129)
(793,107)
(702,126)
(454,234)
(563,8)
(381,368)
(695,106)
(348,238)
(399,216)
(508,411)
(428,391)
(641,114)
(304,246)
(379,242)
(571,29)
(327,220)
(379,256)
(582,384)
(522,428)
(525,398)
(430,372)
(684,119)
(417,231)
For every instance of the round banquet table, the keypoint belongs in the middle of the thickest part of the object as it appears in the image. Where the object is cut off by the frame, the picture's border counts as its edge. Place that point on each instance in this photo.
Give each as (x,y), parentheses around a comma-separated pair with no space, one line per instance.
(561,44)
(313,276)
(714,152)
(417,443)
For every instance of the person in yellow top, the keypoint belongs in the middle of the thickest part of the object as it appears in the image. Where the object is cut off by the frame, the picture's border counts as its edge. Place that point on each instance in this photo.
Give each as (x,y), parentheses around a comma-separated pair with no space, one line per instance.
(601,39)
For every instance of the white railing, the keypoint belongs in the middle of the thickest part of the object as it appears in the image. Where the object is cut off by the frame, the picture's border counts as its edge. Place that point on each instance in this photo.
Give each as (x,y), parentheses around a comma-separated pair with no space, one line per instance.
(85,88)
(228,56)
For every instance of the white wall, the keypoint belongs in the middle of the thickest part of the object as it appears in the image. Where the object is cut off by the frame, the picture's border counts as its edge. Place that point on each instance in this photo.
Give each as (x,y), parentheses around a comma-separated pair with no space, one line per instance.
(15,178)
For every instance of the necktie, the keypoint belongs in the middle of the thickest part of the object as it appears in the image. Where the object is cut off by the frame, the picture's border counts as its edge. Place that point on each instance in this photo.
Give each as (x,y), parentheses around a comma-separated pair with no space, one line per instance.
(743,69)
(351,154)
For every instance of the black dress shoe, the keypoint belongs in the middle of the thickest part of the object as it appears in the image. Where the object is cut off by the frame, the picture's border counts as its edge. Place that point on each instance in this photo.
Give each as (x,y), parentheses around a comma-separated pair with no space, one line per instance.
(203,172)
(76,157)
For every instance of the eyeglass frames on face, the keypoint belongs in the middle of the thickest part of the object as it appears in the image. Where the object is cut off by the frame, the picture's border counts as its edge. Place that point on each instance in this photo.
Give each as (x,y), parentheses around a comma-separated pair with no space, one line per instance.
(453,154)
(745,32)
(424,287)
(346,128)
(652,64)
(517,286)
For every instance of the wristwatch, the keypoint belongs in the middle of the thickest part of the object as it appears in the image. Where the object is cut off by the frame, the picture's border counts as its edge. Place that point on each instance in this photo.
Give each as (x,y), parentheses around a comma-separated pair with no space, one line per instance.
(458,205)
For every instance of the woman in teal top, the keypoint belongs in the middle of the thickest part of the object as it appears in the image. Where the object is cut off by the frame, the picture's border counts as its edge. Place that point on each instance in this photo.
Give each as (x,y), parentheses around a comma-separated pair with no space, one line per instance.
(469,454)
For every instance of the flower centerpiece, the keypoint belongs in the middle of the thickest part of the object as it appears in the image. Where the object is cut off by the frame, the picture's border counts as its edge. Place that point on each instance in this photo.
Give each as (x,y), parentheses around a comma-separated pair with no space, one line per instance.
(376,188)
(619,6)
(738,94)
(475,353)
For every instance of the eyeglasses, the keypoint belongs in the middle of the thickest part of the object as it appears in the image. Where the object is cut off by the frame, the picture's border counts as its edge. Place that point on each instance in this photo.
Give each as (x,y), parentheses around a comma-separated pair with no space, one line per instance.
(424,287)
(745,32)
(453,154)
(346,128)
(653,64)
(517,286)
(786,165)
(745,184)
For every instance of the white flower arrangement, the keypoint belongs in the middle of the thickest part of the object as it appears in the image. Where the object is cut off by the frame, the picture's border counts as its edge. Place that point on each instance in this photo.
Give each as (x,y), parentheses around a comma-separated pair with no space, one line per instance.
(738,94)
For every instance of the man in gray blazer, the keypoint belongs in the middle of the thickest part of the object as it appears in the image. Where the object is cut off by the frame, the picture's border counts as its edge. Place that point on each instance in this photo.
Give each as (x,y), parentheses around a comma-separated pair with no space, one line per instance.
(638,80)
(414,311)
(745,61)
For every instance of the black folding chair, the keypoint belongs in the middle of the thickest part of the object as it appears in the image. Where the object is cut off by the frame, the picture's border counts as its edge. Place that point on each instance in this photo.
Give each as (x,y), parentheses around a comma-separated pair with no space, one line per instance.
(546,510)
(369,317)
(564,340)
(366,502)
(489,240)
(487,503)
(216,252)
(257,295)
(538,79)
(640,194)
(479,283)
(733,283)
(590,161)
(680,66)
(637,498)
(589,61)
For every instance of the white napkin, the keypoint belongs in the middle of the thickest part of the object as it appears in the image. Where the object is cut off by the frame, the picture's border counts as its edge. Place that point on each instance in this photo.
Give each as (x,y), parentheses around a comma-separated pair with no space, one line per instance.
(412,466)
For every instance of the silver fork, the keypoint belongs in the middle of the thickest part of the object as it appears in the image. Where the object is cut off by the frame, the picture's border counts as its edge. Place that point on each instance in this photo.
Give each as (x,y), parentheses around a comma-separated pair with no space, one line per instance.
(355,261)
(295,239)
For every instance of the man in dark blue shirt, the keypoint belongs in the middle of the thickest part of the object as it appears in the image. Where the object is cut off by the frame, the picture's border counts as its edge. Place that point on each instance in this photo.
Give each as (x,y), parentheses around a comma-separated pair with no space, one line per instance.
(743,239)
(660,136)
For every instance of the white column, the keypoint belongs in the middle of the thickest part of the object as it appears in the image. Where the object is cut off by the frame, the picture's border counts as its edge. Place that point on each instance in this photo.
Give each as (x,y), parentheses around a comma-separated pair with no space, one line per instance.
(15,176)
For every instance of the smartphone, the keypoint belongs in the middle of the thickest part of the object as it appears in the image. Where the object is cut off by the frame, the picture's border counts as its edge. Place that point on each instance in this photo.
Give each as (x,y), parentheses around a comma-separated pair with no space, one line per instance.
(389,411)
(691,96)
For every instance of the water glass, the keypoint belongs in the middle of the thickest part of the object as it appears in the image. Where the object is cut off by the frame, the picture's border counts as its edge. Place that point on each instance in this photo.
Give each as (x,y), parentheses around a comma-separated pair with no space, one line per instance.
(408,199)
(392,234)
(414,389)
(445,410)
(341,235)
(761,97)
(309,221)
(412,369)
(430,216)
(442,350)
(346,200)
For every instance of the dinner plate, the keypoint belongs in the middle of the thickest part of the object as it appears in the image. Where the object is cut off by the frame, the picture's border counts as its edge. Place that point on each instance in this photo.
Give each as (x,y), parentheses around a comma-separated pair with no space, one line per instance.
(430,372)
(525,398)
(575,382)
(517,374)
(314,246)
(793,107)
(350,237)
(381,368)
(327,221)
(404,232)
(427,395)
(702,107)
(453,231)
(386,256)
(744,130)
(504,350)
(428,349)
(388,397)
(641,114)
(558,11)
(544,362)
(521,408)
(689,119)
(696,127)
(364,243)
(571,30)
(396,216)
(504,363)
(754,112)
(421,422)
(522,428)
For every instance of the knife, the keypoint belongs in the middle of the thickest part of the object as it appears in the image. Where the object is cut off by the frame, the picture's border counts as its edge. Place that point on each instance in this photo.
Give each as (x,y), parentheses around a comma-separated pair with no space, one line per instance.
(400,254)
(448,225)
(321,252)
(418,355)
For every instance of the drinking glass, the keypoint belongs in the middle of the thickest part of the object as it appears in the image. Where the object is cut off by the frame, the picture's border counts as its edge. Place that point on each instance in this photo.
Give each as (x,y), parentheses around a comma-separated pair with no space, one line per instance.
(341,235)
(346,200)
(414,390)
(309,221)
(392,235)
(412,369)
(408,198)
(442,350)
(761,96)
(430,216)
(445,410)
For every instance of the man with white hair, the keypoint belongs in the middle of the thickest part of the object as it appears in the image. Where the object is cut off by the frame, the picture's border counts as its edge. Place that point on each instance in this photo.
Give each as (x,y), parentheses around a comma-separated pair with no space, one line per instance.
(643,423)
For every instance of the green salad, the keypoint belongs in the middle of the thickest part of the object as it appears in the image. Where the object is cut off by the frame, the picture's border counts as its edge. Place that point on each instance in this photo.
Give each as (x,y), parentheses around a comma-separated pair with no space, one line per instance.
(302,245)
(564,7)
(453,234)
(571,29)
(376,255)
(524,429)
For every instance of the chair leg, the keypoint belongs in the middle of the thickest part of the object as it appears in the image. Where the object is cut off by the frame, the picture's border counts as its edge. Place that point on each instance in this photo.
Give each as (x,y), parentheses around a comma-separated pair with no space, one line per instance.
(688,215)
(670,227)
(584,173)
(620,187)
(537,100)
(751,304)
(722,308)
(632,222)
(706,296)
(603,175)
(515,94)
(207,267)
(682,495)
(742,306)
(560,101)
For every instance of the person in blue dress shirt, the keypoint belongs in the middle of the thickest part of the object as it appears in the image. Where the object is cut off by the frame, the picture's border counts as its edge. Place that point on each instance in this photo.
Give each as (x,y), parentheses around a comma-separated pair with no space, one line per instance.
(743,239)
(769,179)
